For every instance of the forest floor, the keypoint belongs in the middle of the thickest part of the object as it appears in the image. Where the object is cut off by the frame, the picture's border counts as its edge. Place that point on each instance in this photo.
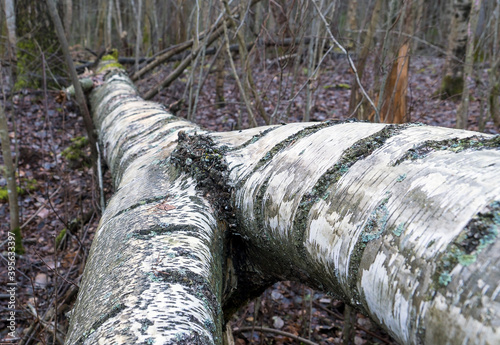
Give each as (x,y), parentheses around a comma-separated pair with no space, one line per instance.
(59,192)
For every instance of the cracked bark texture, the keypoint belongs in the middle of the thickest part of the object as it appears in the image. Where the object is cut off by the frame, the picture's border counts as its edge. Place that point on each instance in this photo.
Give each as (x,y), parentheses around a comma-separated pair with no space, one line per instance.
(398,221)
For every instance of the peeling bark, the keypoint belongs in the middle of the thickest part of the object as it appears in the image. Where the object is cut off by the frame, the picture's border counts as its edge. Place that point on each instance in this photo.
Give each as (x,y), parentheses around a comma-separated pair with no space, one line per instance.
(399,221)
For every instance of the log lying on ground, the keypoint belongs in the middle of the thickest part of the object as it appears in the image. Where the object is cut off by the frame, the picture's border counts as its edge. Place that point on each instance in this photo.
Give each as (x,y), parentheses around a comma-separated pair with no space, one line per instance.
(398,221)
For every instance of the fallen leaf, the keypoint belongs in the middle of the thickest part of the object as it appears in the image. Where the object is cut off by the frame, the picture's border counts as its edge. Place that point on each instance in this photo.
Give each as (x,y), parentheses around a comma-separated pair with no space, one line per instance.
(43,213)
(41,280)
(278,322)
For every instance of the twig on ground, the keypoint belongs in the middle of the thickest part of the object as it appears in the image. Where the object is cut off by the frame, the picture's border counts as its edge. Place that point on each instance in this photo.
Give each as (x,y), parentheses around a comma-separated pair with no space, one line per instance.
(361,328)
(99,176)
(40,209)
(275,331)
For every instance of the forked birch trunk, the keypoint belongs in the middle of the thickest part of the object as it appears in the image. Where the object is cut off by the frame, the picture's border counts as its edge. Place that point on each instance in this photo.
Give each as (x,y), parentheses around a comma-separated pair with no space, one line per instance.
(399,221)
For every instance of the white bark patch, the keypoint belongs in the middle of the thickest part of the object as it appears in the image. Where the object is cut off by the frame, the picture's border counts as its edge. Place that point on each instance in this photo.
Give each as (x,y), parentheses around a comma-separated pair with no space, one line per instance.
(160,297)
(323,238)
(385,300)
(237,138)
(468,188)
(131,123)
(165,312)
(430,200)
(361,189)
(294,172)
(455,328)
(242,162)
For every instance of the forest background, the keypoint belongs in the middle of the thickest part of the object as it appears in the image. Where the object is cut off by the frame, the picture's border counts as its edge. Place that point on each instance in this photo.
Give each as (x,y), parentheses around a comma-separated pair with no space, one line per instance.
(226,65)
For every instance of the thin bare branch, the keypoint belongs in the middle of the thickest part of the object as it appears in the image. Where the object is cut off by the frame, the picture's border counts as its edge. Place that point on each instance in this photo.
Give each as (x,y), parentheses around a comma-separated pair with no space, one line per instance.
(351,63)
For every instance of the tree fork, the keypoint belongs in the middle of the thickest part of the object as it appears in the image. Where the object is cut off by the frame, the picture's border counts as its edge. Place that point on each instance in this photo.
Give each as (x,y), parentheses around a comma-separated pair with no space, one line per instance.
(400,222)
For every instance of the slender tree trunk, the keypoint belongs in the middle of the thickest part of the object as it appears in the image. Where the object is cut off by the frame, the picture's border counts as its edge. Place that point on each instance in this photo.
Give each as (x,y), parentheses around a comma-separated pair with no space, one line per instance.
(312,75)
(248,83)
(10,176)
(109,21)
(10,16)
(463,108)
(80,97)
(453,79)
(419,16)
(68,17)
(356,108)
(494,75)
(122,34)
(100,28)
(387,43)
(400,222)
(219,78)
(352,20)
(155,31)
(138,39)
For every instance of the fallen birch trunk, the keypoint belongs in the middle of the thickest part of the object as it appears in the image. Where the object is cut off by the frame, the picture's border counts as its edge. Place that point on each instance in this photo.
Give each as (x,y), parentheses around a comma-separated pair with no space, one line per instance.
(399,221)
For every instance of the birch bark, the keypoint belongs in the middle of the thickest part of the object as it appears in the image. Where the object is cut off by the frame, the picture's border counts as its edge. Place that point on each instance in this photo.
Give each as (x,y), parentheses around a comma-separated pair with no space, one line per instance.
(398,221)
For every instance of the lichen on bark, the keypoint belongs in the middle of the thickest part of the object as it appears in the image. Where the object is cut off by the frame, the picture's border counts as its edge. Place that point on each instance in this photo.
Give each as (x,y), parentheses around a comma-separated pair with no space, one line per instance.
(481,231)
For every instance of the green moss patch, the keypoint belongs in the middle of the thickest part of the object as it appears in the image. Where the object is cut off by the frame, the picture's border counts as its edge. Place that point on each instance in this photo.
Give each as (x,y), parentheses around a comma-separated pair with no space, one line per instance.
(26,185)
(4,193)
(451,86)
(60,237)
(112,56)
(110,65)
(77,153)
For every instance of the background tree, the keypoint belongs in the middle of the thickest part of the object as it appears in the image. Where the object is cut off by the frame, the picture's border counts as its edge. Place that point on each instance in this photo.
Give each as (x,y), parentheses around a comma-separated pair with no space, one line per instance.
(10,19)
(9,170)
(35,33)
(453,79)
(463,109)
